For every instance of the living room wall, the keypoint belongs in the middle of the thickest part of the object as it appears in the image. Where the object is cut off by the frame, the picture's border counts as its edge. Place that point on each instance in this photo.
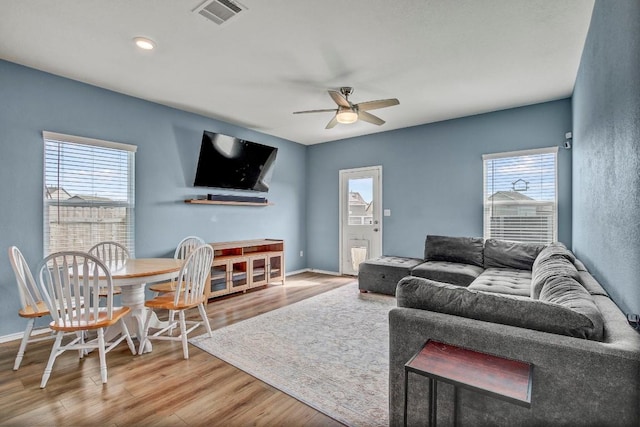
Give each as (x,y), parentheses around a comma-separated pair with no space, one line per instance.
(432,177)
(606,158)
(168,143)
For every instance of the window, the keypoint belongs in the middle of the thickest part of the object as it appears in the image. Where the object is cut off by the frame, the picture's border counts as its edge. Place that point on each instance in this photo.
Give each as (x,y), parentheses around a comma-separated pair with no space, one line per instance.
(520,196)
(88,193)
(360,201)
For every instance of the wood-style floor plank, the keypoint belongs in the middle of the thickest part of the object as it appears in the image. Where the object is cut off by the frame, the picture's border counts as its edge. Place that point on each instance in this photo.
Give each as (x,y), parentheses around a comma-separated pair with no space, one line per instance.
(160,388)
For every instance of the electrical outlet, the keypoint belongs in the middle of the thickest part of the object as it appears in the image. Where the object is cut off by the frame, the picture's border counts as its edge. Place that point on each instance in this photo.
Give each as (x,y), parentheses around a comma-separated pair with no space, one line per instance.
(301,253)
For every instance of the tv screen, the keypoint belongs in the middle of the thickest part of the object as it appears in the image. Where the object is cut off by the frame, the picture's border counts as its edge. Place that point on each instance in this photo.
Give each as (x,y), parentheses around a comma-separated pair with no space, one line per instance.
(228,162)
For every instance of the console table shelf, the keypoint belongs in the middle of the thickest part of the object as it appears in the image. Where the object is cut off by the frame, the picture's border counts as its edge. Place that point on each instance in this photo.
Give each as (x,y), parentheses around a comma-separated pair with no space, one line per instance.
(238,266)
(506,379)
(220,202)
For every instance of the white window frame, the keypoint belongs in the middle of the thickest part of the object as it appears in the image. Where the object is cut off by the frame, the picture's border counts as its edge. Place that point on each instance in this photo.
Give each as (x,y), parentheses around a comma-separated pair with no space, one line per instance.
(486,158)
(125,236)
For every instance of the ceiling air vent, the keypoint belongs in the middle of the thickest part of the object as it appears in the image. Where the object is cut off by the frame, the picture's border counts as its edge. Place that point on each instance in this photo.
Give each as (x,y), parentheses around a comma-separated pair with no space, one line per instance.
(219,11)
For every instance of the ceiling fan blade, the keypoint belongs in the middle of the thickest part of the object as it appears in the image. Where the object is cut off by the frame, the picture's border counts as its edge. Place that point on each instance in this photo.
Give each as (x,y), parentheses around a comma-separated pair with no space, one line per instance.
(339,99)
(315,111)
(368,117)
(381,103)
(332,122)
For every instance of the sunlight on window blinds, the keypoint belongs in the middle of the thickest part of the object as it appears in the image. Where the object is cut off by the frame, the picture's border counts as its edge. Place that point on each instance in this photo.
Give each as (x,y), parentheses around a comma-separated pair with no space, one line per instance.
(520,196)
(88,193)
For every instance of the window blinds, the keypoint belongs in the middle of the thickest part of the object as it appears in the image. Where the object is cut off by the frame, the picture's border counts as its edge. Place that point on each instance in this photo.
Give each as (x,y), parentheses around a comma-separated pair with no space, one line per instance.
(520,196)
(88,193)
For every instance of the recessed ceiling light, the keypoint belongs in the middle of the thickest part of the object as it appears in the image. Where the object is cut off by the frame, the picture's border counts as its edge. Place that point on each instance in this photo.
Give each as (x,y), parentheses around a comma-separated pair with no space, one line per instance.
(144,43)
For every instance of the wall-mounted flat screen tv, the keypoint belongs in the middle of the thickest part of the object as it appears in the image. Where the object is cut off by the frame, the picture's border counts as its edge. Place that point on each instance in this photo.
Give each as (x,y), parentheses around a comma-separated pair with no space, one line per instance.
(233,163)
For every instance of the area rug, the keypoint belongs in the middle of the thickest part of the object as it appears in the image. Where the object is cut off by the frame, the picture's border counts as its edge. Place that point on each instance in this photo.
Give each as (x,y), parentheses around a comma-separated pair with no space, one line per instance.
(330,351)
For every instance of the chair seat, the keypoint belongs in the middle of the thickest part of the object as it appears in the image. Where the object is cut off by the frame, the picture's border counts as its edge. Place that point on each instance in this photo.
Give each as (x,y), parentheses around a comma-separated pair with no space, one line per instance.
(167,301)
(76,324)
(29,312)
(163,287)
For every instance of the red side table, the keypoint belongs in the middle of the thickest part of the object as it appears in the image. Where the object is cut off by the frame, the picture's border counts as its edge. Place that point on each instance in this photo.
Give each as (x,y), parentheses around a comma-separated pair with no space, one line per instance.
(505,379)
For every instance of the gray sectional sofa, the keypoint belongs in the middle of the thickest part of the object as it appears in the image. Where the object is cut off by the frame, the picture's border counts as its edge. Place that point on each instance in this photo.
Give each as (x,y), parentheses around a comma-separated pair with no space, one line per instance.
(527,302)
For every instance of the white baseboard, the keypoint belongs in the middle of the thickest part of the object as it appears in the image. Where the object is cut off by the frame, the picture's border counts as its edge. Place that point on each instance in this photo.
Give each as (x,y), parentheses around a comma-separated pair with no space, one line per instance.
(332,273)
(18,335)
(291,273)
(313,270)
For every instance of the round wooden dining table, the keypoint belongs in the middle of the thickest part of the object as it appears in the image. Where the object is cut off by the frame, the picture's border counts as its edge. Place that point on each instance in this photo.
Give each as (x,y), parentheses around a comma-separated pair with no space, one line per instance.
(132,277)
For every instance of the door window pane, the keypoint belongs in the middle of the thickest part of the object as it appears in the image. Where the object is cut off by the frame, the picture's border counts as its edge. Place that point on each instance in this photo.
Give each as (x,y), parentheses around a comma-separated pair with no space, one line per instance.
(361,201)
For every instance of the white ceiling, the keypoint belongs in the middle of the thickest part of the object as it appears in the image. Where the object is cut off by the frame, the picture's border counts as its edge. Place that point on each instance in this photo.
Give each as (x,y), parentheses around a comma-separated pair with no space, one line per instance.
(441,58)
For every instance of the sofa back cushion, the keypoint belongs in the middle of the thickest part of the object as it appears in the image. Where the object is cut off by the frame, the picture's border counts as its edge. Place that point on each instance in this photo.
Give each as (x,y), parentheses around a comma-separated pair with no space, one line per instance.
(556,249)
(424,294)
(553,261)
(465,250)
(567,292)
(505,254)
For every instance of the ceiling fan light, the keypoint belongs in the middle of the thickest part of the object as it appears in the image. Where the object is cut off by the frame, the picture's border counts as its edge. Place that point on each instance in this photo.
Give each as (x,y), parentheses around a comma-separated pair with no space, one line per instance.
(346,117)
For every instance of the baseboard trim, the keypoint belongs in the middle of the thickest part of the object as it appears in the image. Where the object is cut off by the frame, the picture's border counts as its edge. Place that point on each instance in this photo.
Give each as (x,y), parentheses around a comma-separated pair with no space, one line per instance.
(18,335)
(291,273)
(332,273)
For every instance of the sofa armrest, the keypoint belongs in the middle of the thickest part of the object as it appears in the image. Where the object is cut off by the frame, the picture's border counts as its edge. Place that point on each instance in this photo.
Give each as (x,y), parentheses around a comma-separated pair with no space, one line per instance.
(575,381)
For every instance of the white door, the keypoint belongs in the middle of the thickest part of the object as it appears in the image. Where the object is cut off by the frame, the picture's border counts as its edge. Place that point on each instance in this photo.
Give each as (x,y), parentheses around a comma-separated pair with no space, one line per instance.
(360,217)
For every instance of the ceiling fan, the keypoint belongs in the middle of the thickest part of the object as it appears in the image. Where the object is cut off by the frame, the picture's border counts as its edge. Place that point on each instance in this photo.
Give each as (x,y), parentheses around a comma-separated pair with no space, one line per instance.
(348,112)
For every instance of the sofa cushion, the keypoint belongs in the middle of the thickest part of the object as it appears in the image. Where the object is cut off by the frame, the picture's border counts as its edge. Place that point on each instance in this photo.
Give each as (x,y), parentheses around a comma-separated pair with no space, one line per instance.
(424,294)
(548,266)
(505,254)
(567,292)
(450,272)
(507,281)
(556,249)
(464,250)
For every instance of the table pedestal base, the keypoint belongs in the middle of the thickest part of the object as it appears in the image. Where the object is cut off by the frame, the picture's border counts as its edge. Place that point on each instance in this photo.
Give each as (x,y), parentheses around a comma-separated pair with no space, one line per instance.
(133,297)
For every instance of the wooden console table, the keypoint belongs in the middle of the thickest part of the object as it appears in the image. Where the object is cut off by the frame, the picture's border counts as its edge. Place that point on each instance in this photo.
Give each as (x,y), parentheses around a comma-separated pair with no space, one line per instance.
(505,379)
(238,266)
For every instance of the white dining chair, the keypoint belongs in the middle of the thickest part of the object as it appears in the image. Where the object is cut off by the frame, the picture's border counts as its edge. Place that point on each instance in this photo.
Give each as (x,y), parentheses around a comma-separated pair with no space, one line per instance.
(184,248)
(113,254)
(76,279)
(189,293)
(32,304)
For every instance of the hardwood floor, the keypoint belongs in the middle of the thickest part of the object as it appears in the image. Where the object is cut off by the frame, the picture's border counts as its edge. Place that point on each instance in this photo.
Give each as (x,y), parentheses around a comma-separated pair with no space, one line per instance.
(160,388)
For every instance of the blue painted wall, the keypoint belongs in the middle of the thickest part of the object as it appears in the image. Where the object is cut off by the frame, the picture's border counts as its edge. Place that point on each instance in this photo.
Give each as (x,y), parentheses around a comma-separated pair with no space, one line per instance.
(168,143)
(432,177)
(606,153)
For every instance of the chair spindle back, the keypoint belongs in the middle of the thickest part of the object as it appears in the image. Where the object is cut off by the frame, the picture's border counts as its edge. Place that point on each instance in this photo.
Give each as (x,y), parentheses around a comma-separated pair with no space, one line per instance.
(193,275)
(72,279)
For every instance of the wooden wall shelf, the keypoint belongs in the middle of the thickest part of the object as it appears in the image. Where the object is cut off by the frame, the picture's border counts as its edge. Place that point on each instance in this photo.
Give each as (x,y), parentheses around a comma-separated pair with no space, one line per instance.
(219,202)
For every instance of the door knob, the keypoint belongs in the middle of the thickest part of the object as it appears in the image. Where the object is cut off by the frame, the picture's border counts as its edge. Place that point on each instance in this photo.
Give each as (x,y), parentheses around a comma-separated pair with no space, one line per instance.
(375,229)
